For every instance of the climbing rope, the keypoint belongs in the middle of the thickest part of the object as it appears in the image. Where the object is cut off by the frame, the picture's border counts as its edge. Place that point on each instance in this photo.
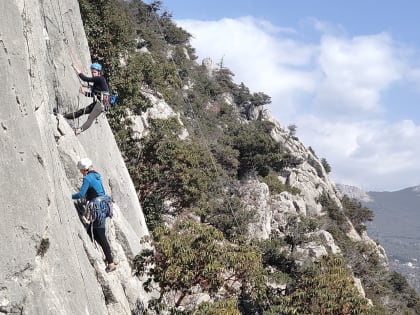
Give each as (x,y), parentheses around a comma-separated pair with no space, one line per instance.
(54,21)
(72,54)
(56,164)
(57,175)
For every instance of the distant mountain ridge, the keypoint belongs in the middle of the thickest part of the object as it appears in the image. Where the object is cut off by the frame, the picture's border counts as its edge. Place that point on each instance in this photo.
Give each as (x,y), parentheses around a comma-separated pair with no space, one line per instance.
(396,224)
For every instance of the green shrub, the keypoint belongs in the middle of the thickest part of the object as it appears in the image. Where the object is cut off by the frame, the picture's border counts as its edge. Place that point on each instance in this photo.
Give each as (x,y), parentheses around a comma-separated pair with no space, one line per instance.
(326,288)
(297,229)
(257,150)
(228,214)
(275,254)
(326,165)
(225,307)
(194,255)
(357,213)
(334,212)
(173,169)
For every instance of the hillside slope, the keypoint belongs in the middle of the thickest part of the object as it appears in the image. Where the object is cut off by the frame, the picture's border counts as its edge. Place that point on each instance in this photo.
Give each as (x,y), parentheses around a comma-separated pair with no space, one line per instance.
(218,164)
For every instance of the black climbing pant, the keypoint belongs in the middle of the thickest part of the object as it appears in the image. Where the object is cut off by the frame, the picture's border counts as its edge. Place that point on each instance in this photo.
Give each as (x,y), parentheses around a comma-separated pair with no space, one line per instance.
(87,110)
(100,237)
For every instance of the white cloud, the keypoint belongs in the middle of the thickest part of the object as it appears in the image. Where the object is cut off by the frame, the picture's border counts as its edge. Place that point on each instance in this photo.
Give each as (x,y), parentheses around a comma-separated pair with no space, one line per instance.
(282,68)
(356,71)
(370,154)
(333,91)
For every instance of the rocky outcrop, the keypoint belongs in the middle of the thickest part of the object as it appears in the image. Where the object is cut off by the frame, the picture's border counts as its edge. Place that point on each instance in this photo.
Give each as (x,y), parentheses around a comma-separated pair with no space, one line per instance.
(353,193)
(159,110)
(48,265)
(207,63)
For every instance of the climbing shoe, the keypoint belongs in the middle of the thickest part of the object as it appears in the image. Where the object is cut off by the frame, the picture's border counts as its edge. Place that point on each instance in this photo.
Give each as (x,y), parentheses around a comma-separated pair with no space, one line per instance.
(110,268)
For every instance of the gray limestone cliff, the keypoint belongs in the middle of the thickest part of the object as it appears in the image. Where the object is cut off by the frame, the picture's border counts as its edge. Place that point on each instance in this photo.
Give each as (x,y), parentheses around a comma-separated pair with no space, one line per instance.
(48,265)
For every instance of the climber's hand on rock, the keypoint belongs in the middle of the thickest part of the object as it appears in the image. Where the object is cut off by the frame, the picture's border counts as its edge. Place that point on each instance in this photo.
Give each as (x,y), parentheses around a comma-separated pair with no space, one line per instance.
(76,68)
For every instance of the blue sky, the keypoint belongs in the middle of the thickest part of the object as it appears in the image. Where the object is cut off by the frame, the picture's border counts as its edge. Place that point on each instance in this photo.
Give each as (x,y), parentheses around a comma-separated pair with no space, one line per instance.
(346,73)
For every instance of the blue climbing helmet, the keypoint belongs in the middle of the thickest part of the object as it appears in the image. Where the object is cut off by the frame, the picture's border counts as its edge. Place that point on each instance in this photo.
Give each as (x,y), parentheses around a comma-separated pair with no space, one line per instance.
(96,66)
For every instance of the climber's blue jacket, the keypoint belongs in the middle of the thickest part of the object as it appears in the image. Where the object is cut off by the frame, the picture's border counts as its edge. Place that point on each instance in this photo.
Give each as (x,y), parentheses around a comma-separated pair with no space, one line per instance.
(92,187)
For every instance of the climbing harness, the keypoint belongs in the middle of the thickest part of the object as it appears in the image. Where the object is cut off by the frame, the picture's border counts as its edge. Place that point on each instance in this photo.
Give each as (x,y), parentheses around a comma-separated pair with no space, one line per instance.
(98,209)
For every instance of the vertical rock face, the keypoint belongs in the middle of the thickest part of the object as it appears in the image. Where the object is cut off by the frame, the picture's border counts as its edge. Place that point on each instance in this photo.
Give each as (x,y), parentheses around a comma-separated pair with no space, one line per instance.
(48,265)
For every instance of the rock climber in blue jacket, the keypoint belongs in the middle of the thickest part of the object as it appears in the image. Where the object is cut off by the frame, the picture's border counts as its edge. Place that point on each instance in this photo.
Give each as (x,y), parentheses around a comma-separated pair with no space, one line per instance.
(99,91)
(92,189)
(92,183)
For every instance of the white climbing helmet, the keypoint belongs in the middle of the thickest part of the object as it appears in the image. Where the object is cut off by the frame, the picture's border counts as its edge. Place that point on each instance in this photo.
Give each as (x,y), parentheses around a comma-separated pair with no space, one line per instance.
(84,164)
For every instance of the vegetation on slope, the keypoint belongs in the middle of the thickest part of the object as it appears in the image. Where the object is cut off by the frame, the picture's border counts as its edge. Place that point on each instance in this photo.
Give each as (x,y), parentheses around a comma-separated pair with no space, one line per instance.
(195,181)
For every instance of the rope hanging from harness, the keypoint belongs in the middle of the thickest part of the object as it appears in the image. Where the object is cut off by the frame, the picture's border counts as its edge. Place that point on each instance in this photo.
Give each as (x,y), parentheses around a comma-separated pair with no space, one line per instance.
(96,212)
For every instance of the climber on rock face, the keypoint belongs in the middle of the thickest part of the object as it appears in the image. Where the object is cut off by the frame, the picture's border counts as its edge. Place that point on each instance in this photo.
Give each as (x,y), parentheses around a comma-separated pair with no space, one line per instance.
(93,190)
(99,91)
